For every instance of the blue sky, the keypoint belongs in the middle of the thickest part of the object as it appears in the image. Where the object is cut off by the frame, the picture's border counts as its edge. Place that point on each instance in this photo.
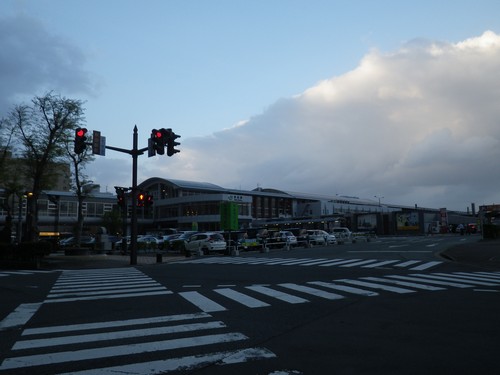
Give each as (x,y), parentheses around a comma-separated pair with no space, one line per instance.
(221,71)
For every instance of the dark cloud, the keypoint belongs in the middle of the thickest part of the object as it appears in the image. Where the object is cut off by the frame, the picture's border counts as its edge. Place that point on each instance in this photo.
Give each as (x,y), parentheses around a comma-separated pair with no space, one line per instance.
(32,61)
(418,126)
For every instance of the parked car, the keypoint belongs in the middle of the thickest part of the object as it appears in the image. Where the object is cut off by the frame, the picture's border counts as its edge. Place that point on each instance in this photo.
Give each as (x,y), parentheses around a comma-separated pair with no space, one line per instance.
(320,237)
(288,237)
(179,243)
(207,242)
(149,242)
(85,241)
(168,240)
(342,234)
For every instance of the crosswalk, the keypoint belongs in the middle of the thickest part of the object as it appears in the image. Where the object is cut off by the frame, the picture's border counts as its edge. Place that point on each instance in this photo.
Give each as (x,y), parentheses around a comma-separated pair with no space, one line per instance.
(108,283)
(152,344)
(412,265)
(261,296)
(121,346)
(5,273)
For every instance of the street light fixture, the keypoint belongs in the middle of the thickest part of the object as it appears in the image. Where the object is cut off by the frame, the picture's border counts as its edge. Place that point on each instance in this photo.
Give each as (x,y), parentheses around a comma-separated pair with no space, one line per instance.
(379,198)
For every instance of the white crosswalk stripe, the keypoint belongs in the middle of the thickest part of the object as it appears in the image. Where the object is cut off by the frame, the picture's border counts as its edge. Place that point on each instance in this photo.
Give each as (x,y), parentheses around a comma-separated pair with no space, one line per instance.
(416,265)
(364,286)
(81,346)
(85,285)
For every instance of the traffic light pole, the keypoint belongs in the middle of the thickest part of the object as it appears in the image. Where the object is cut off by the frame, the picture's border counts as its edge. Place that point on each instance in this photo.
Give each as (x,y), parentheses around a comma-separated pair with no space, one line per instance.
(135,152)
(156,144)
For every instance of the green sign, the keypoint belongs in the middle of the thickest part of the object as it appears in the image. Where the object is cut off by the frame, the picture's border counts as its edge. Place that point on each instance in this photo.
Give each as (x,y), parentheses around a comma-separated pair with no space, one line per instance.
(229,216)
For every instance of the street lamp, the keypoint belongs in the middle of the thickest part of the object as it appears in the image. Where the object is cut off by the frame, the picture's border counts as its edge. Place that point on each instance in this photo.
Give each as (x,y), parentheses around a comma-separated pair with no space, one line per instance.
(379,198)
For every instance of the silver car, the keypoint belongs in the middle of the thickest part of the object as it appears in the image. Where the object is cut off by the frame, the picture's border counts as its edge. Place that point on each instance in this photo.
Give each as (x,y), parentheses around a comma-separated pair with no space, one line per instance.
(320,237)
(208,242)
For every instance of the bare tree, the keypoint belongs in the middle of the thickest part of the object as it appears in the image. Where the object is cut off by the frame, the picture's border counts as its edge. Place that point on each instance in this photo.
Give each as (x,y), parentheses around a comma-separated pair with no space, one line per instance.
(44,128)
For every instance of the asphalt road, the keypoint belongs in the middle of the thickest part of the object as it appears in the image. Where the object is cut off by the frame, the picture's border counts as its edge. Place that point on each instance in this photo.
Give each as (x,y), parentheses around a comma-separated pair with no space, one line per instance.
(390,306)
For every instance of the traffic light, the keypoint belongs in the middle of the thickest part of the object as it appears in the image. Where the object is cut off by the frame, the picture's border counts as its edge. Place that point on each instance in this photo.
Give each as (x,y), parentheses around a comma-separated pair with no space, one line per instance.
(120,195)
(149,200)
(80,139)
(158,140)
(171,143)
(141,199)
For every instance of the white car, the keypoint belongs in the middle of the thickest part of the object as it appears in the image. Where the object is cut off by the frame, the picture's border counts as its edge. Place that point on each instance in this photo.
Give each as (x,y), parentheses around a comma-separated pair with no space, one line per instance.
(207,243)
(288,237)
(320,237)
(342,234)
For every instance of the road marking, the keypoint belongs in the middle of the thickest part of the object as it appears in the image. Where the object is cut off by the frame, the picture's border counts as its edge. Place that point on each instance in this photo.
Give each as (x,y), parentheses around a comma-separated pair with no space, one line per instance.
(403,283)
(338,262)
(119,350)
(441,276)
(435,282)
(478,277)
(376,286)
(312,291)
(322,262)
(85,285)
(355,264)
(425,266)
(380,264)
(188,363)
(203,303)
(118,335)
(277,294)
(109,296)
(407,263)
(19,316)
(114,324)
(319,261)
(345,288)
(241,298)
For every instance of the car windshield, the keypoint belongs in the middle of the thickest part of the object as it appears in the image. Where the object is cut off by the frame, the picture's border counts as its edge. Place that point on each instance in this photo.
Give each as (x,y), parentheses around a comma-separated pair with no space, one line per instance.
(217,237)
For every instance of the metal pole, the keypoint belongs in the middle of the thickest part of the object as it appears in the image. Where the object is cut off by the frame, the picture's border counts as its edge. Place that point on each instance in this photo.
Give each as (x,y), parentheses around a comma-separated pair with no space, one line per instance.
(133,233)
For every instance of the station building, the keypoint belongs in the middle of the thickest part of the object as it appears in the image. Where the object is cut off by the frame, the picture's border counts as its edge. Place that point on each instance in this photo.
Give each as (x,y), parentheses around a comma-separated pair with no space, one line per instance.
(189,205)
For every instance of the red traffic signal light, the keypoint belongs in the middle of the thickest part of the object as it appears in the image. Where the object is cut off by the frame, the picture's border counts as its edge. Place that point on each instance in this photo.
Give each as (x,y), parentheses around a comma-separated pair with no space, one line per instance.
(80,138)
(158,140)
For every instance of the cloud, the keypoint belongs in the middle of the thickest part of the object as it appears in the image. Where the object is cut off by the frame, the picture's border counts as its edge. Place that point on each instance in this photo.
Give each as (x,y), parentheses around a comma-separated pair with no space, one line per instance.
(418,126)
(32,61)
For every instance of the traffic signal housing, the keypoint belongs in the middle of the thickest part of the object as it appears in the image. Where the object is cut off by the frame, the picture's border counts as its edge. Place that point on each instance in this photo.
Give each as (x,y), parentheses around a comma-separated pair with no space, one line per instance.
(121,197)
(171,143)
(141,199)
(149,200)
(80,140)
(158,140)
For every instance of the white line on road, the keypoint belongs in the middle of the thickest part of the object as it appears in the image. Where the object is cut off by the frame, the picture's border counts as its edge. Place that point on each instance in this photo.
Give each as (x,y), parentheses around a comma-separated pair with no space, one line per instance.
(425,266)
(277,294)
(113,324)
(312,291)
(188,363)
(118,335)
(376,286)
(241,298)
(203,303)
(19,316)
(345,288)
(120,350)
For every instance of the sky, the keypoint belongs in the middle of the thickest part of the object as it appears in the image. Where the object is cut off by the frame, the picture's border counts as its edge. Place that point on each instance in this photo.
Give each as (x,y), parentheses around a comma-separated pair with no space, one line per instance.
(389,98)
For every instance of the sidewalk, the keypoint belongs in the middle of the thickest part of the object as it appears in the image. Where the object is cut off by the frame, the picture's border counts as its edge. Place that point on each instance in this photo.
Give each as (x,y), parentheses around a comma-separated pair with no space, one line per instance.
(61,261)
(481,253)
